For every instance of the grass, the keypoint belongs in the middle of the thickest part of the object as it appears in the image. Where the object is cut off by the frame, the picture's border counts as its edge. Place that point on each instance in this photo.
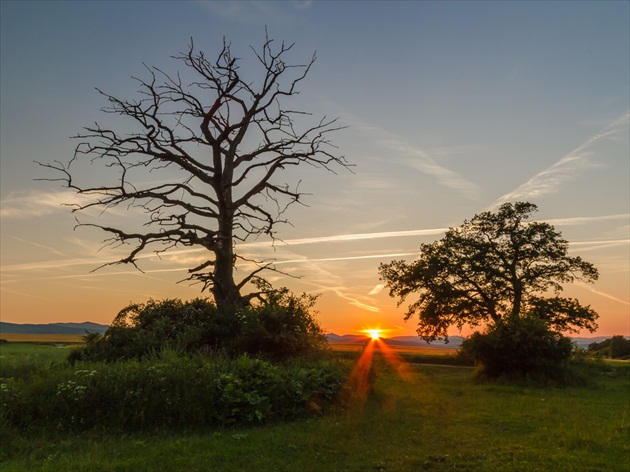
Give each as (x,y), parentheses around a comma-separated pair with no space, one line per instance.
(410,354)
(33,352)
(42,338)
(436,418)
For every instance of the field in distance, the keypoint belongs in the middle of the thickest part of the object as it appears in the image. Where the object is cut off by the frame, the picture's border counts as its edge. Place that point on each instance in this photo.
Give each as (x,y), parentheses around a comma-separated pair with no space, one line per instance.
(420,350)
(42,338)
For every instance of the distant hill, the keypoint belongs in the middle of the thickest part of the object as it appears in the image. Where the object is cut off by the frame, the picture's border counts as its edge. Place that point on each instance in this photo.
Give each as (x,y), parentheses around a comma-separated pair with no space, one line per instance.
(346,338)
(87,326)
(454,341)
(52,328)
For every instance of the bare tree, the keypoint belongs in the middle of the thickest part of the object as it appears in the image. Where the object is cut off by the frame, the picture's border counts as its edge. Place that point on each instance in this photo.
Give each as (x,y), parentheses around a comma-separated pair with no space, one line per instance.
(227,138)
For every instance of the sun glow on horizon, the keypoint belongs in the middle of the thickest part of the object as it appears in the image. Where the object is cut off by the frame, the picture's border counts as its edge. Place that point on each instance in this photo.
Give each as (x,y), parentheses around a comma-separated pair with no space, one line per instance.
(374,333)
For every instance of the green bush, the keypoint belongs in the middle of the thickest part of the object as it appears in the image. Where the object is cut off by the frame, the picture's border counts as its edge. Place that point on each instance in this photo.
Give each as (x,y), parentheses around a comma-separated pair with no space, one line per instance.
(278,327)
(617,347)
(166,391)
(281,326)
(522,347)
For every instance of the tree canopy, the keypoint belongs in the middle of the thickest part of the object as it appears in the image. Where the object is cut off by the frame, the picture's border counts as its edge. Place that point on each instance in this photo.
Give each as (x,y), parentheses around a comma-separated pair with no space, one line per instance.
(493,268)
(198,156)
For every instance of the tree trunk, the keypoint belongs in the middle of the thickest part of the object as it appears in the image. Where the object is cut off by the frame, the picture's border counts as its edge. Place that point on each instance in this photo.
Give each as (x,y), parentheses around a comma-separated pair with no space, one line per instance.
(225,291)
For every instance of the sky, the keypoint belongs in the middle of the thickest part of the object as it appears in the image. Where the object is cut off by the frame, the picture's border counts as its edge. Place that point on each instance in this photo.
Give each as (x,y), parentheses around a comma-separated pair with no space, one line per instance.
(451,108)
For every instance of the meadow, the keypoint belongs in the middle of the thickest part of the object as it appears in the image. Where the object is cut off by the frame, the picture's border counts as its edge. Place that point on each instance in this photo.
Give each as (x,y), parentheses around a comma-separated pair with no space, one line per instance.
(416,417)
(43,338)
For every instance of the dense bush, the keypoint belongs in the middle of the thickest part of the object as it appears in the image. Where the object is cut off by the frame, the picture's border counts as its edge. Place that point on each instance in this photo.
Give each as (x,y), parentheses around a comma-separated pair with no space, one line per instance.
(281,326)
(278,327)
(166,391)
(522,347)
(617,347)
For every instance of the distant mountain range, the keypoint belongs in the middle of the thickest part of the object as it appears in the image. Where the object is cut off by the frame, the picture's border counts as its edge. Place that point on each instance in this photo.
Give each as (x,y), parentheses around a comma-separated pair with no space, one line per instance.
(89,327)
(52,328)
(454,341)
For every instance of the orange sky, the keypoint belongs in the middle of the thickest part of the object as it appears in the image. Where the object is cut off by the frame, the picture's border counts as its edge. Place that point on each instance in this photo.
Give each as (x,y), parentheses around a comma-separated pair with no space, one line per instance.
(452,108)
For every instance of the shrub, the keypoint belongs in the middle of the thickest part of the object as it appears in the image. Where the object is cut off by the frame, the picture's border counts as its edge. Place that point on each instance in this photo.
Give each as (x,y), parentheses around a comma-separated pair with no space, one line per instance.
(281,326)
(617,347)
(166,390)
(522,347)
(278,327)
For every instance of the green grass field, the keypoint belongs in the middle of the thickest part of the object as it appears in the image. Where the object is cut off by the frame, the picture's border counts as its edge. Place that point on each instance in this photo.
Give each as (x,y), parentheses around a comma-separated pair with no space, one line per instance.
(34,351)
(435,418)
(43,338)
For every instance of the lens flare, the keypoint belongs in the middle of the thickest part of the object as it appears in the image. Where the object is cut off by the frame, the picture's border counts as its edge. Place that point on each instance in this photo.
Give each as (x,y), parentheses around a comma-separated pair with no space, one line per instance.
(374,333)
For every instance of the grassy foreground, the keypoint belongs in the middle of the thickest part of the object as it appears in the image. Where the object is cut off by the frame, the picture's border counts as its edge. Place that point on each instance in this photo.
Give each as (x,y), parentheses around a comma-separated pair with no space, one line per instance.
(431,418)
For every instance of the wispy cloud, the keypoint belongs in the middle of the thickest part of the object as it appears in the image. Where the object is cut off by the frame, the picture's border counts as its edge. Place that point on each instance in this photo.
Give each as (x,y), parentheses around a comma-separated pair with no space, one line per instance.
(600,293)
(377,289)
(256,11)
(587,220)
(594,245)
(551,179)
(346,258)
(417,158)
(25,294)
(355,237)
(37,203)
(343,293)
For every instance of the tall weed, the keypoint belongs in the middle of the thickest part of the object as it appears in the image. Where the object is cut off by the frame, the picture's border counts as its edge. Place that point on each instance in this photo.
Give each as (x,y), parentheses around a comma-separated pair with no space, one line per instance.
(166,390)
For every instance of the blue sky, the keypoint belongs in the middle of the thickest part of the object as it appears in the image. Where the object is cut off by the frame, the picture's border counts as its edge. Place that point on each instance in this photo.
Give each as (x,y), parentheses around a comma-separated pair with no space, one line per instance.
(452,108)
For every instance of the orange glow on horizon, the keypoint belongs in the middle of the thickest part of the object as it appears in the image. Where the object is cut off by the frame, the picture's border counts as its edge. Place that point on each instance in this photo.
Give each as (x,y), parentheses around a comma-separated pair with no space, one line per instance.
(373,333)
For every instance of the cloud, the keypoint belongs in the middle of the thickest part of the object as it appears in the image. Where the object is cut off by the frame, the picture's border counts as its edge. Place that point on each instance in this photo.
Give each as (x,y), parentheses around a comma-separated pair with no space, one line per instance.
(302,5)
(418,158)
(376,290)
(341,292)
(346,258)
(255,11)
(550,180)
(363,306)
(594,245)
(355,237)
(37,203)
(587,220)
(600,293)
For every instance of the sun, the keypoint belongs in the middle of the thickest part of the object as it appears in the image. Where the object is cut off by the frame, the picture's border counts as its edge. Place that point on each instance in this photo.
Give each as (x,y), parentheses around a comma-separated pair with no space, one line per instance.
(374,333)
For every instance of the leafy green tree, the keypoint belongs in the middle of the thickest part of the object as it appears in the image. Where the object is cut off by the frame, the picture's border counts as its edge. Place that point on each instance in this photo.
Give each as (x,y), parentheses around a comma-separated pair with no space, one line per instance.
(491,270)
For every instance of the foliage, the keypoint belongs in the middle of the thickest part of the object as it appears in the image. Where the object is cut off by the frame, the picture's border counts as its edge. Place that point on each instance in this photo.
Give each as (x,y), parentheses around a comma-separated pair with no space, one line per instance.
(617,347)
(215,139)
(492,269)
(524,347)
(165,390)
(438,419)
(279,326)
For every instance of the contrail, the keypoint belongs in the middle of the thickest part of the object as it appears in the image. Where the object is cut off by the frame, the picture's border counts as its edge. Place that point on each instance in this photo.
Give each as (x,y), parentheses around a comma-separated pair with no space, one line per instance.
(357,237)
(603,294)
(548,180)
(303,241)
(418,158)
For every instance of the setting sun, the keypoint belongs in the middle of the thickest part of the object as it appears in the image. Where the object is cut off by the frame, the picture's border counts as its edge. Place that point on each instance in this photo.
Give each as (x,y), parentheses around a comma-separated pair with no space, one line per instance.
(374,333)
